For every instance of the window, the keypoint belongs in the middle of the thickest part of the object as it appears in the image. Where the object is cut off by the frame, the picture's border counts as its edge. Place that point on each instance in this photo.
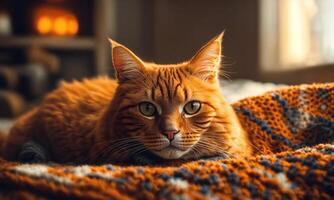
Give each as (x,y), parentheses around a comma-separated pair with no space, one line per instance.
(296,33)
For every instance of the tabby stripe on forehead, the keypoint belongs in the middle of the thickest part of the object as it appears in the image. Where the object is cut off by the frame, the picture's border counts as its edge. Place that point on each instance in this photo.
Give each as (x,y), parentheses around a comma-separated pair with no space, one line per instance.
(169,79)
(161,89)
(165,73)
(159,85)
(183,73)
(168,90)
(153,93)
(179,75)
(175,90)
(158,78)
(173,74)
(173,80)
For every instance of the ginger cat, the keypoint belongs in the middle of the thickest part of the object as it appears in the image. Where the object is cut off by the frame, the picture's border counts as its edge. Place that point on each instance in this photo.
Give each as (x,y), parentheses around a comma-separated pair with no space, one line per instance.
(166,112)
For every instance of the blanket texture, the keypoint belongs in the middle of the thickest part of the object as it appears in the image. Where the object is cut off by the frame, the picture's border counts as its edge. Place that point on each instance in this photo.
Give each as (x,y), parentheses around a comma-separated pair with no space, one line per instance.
(291,130)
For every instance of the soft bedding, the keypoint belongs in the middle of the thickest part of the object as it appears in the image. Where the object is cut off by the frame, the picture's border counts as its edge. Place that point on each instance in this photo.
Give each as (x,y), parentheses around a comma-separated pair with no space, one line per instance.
(291,130)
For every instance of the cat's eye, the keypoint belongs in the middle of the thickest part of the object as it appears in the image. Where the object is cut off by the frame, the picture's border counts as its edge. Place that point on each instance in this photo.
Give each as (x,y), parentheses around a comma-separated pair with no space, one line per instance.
(147,109)
(192,107)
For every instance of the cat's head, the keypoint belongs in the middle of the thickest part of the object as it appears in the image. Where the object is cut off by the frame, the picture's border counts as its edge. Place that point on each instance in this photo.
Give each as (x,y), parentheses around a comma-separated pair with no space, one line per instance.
(169,109)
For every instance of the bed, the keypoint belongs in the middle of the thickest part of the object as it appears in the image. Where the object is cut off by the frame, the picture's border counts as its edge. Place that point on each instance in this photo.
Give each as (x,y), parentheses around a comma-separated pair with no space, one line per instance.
(291,129)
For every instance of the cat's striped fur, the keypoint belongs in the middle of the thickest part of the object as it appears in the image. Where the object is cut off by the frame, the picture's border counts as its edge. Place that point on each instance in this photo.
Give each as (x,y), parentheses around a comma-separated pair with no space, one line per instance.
(150,109)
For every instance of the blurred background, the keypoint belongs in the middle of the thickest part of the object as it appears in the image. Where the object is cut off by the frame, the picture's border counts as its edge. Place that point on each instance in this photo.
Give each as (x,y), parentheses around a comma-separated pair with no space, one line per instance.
(45,41)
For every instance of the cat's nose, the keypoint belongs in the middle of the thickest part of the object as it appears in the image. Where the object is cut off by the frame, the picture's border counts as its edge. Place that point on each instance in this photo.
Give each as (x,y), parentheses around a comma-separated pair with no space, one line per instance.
(169,134)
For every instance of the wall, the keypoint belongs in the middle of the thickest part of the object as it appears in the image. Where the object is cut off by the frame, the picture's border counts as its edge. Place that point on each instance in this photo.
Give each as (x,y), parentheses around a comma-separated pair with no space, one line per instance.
(169,31)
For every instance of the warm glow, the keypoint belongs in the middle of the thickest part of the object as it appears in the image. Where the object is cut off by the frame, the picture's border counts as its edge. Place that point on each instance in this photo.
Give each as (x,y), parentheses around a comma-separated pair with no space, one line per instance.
(60,26)
(294,35)
(73,27)
(55,21)
(44,25)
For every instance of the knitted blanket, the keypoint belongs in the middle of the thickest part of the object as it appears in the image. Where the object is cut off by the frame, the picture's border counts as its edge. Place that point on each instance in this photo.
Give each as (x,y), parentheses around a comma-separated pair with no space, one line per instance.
(292,132)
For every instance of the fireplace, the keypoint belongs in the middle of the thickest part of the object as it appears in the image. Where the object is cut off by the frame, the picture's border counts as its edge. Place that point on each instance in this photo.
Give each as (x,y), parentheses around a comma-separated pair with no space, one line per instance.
(59,39)
(50,17)
(74,29)
(50,20)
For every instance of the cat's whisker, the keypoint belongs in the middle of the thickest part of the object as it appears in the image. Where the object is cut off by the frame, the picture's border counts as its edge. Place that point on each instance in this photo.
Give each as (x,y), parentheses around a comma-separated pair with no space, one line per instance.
(210,139)
(219,139)
(138,151)
(219,136)
(224,74)
(148,142)
(211,146)
(125,138)
(124,145)
(117,153)
(99,154)
(214,144)
(103,151)
(219,151)
(100,151)
(134,149)
(210,149)
(197,152)
(119,146)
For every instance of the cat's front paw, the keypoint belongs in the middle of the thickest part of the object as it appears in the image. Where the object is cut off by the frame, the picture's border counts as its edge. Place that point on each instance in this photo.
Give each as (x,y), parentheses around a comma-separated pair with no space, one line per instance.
(33,152)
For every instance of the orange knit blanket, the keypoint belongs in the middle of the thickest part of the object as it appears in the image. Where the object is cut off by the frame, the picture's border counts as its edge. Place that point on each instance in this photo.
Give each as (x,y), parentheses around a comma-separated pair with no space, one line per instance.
(292,130)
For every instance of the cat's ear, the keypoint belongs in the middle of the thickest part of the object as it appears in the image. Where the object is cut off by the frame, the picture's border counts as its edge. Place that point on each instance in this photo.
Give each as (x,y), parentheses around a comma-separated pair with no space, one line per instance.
(206,62)
(127,65)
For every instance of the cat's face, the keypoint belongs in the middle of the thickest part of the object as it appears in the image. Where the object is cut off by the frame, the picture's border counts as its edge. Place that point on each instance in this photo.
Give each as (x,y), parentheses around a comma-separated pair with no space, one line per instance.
(167,108)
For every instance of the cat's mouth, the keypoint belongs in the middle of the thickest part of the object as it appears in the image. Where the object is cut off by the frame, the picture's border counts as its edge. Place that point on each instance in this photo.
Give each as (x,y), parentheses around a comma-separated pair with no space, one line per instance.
(170,147)
(170,152)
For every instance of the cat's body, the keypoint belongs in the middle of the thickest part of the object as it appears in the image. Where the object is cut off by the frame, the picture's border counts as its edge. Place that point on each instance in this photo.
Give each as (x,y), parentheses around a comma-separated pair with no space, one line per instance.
(170,111)
(67,122)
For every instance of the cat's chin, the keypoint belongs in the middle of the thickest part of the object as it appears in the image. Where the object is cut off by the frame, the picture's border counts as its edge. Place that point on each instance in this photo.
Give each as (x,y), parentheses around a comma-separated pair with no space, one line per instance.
(170,153)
